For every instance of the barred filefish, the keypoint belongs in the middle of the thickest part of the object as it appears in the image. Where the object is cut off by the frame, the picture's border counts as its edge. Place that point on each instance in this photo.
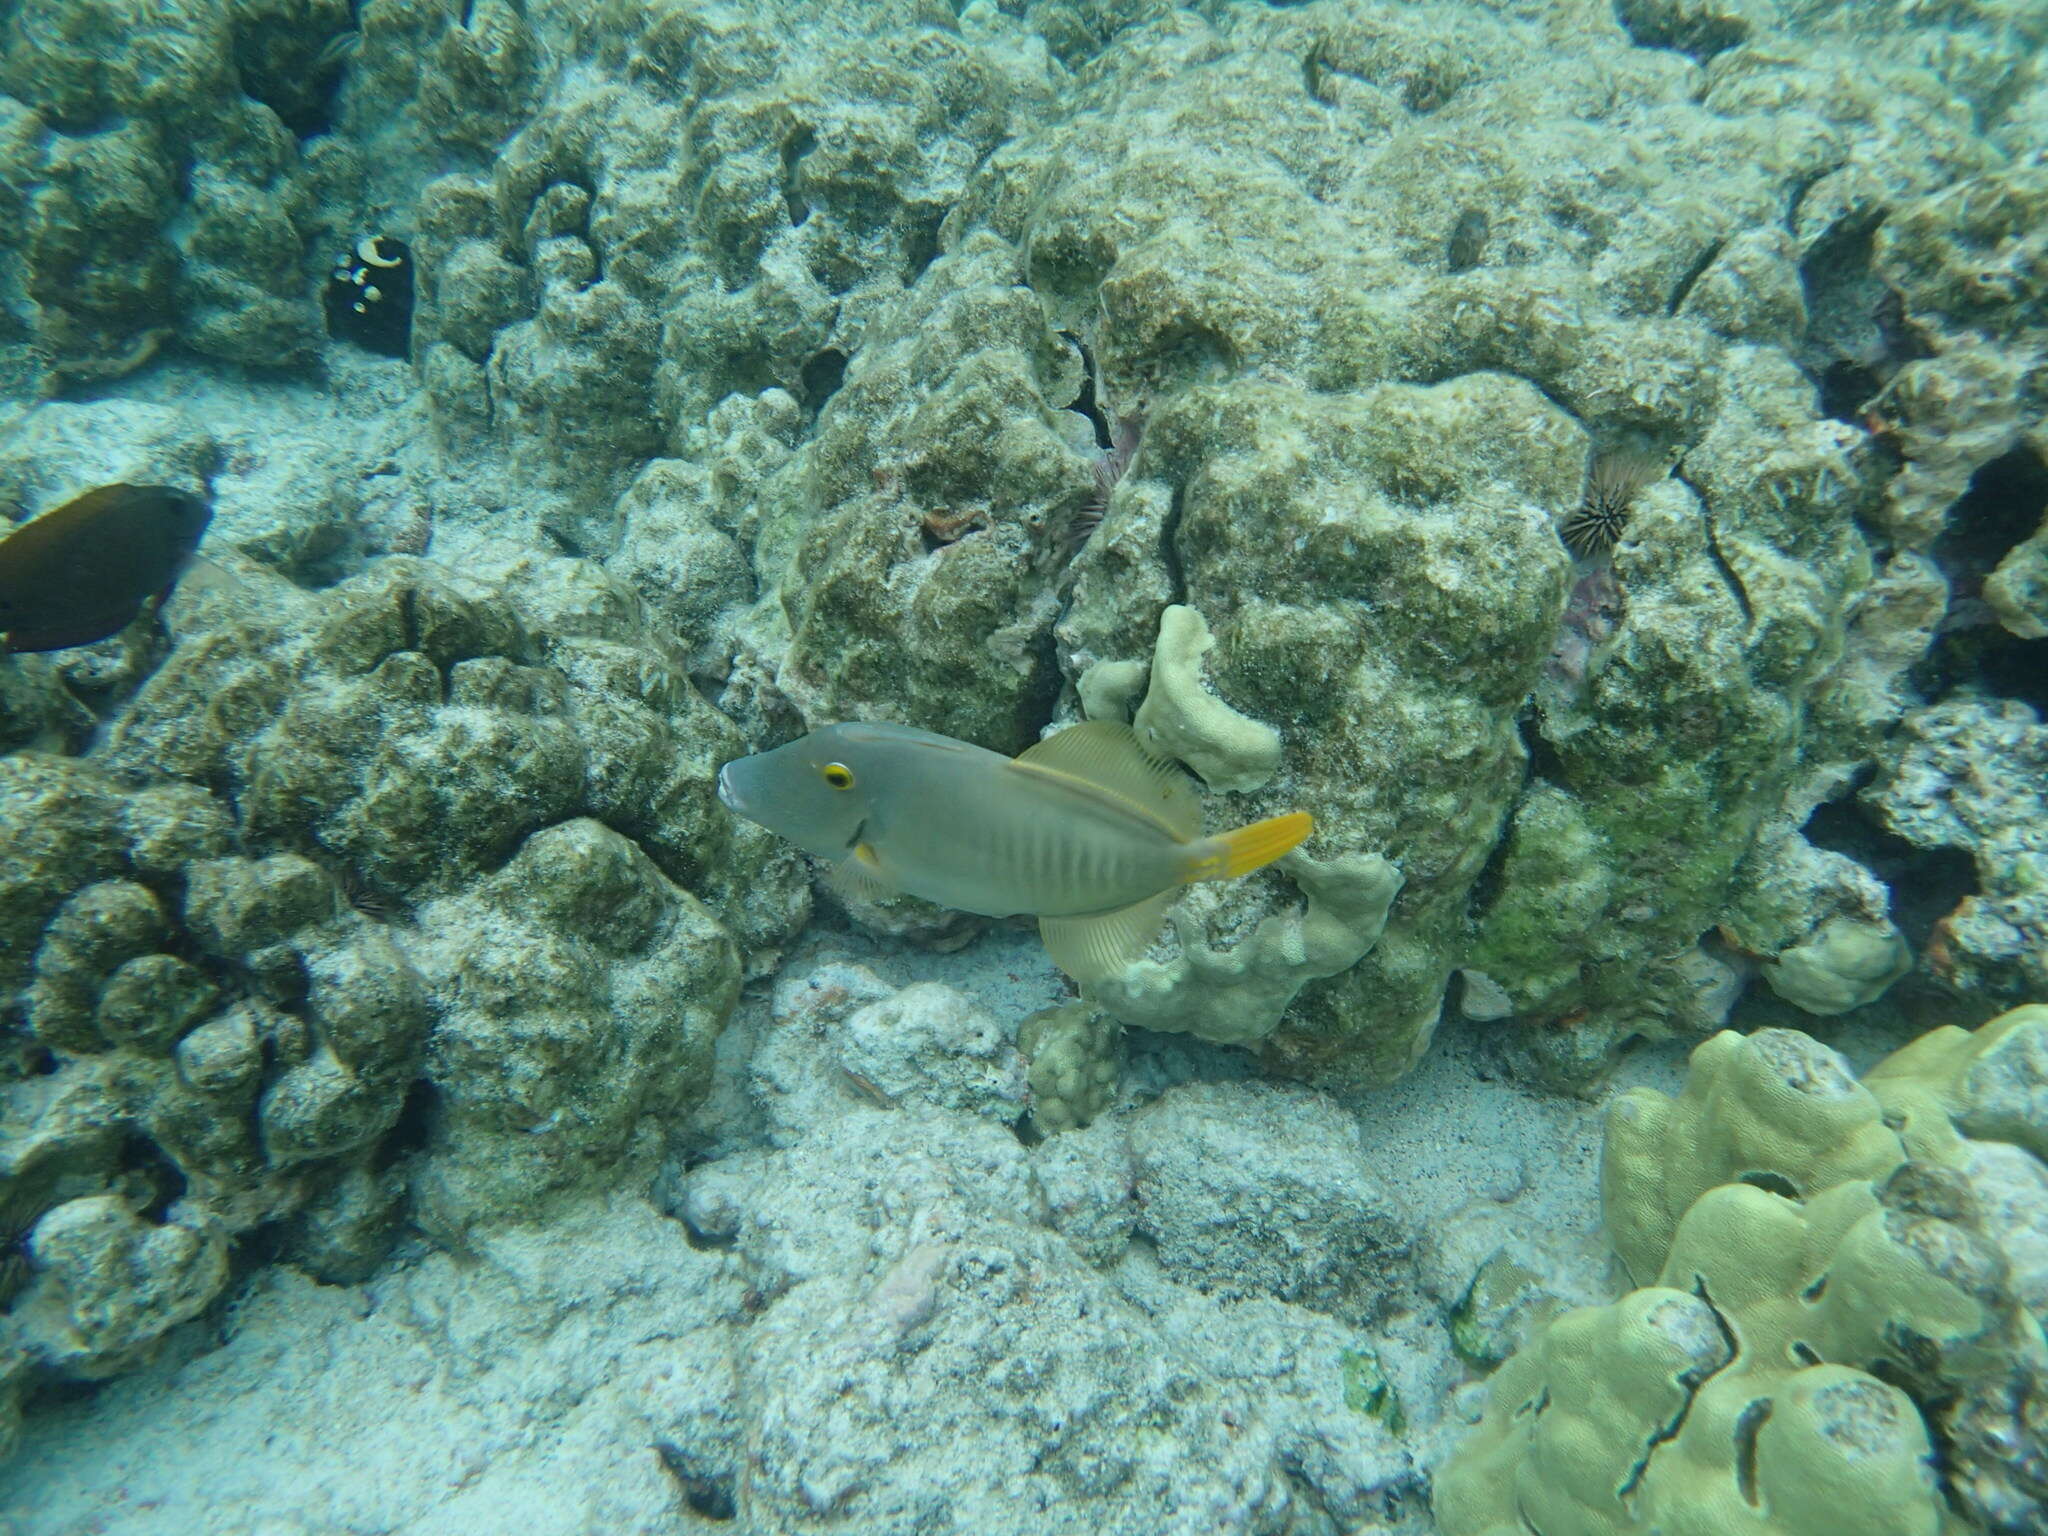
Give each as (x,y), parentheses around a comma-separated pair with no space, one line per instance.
(1086,831)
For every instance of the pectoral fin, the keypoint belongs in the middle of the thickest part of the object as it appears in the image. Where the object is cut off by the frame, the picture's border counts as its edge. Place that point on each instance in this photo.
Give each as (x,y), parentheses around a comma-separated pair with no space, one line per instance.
(1096,948)
(859,874)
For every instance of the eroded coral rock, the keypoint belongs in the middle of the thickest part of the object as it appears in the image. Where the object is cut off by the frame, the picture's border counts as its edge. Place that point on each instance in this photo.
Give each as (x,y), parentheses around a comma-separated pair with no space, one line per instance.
(415,845)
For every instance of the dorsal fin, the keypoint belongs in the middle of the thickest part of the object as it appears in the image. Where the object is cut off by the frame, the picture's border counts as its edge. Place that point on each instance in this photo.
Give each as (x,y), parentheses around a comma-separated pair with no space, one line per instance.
(1108,756)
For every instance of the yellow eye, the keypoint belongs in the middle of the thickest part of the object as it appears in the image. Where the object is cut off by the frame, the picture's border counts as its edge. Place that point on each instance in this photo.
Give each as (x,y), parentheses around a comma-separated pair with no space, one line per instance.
(839,776)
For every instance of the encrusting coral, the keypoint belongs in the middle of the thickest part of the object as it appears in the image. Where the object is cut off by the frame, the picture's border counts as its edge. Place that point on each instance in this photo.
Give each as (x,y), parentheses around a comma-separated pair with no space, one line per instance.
(1972,774)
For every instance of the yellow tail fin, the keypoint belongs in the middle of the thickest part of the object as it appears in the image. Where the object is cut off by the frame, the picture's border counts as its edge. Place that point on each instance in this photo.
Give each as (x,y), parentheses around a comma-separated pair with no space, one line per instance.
(1230,854)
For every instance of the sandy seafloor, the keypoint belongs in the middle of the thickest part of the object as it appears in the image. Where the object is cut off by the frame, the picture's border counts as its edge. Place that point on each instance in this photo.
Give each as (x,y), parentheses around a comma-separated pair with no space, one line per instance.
(510,1394)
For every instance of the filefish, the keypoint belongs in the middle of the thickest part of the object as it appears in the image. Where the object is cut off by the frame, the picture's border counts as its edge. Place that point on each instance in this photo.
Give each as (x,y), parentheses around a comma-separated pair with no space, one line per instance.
(82,571)
(1086,831)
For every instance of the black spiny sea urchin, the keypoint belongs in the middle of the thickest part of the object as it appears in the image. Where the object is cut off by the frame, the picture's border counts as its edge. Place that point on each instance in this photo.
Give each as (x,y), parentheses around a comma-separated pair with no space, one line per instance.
(1593,527)
(19,1213)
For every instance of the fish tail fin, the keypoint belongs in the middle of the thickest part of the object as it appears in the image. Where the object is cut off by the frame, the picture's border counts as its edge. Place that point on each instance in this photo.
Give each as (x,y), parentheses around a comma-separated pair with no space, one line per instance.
(1230,854)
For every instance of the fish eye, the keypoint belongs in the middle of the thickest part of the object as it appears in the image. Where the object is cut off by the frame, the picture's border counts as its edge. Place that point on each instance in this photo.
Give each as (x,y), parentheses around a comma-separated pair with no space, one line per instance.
(838,775)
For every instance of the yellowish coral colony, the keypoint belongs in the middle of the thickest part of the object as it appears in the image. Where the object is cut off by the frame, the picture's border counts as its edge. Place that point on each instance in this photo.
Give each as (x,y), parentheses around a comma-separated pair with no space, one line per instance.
(1839,1319)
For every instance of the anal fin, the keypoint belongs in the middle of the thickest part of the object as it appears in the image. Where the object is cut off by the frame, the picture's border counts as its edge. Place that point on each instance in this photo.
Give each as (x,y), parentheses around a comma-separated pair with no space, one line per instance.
(1097,947)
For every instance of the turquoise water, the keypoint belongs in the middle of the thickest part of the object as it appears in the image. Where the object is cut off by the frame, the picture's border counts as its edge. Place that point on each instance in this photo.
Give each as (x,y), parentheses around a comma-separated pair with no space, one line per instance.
(1588,459)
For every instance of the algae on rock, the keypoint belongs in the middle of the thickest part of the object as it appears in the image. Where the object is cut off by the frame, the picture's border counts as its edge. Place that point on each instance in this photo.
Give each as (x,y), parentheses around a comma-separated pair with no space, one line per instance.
(271,913)
(1382,579)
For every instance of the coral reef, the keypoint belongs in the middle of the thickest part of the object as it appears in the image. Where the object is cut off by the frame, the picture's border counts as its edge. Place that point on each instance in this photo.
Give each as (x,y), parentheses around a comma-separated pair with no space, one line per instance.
(383,894)
(157,187)
(712,220)
(813,325)
(1972,774)
(410,850)
(1839,1319)
(1307,529)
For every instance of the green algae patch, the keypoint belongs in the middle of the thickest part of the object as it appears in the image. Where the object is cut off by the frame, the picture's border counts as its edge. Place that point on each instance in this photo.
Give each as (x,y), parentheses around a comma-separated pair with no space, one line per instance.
(1368,1391)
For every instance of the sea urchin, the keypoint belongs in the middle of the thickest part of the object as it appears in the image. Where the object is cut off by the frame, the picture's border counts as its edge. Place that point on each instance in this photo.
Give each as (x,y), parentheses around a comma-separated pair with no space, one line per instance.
(1593,527)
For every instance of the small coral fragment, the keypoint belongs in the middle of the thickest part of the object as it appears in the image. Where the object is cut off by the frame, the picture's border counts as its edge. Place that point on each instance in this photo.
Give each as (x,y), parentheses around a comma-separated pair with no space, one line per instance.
(1075,1053)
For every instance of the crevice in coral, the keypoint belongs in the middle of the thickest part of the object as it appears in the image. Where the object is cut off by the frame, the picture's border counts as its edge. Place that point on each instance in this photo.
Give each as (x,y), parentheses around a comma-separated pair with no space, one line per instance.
(1856,332)
(1089,401)
(1713,547)
(1698,33)
(2018,669)
(1748,1424)
(1796,198)
(1845,385)
(822,376)
(1699,1289)
(708,1494)
(2003,506)
(154,1181)
(2006,504)
(794,148)
(1689,1382)
(1169,547)
(1774,1183)
(413,1128)
(1692,276)
(565,544)
(921,247)
(1485,887)
(1926,884)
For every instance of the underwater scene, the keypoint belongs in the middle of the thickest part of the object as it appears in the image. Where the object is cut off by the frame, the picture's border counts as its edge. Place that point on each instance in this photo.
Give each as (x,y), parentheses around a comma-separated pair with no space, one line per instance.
(1023,768)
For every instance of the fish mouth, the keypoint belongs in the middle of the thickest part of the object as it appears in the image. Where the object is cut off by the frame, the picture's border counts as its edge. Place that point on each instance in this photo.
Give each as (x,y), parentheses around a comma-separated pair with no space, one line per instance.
(728,796)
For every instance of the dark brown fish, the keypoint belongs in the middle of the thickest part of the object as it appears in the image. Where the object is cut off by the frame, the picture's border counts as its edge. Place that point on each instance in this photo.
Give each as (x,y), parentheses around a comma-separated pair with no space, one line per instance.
(82,571)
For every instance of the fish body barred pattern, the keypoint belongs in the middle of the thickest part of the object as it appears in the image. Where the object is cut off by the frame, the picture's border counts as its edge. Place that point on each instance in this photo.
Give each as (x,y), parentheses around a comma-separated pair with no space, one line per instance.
(1086,830)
